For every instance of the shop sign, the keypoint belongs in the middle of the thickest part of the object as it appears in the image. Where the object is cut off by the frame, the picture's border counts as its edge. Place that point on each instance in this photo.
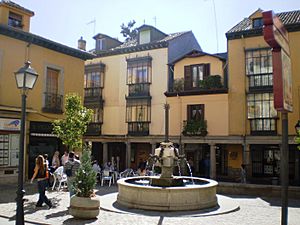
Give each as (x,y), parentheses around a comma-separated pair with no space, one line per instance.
(10,124)
(277,37)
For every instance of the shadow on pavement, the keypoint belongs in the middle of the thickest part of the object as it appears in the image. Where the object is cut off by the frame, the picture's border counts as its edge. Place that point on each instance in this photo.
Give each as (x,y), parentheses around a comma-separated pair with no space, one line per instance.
(104,190)
(8,193)
(57,214)
(273,201)
(30,208)
(293,203)
(72,221)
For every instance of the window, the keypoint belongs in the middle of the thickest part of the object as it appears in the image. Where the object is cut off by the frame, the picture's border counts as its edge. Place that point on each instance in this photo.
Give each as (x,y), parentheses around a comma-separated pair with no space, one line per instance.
(100,44)
(138,111)
(97,115)
(145,36)
(53,99)
(15,20)
(138,117)
(257,23)
(261,112)
(265,160)
(52,81)
(139,70)
(259,68)
(9,149)
(193,74)
(93,80)
(195,112)
(94,127)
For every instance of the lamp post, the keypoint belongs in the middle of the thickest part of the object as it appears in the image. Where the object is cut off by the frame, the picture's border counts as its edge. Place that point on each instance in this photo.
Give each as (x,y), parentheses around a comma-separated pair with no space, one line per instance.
(25,79)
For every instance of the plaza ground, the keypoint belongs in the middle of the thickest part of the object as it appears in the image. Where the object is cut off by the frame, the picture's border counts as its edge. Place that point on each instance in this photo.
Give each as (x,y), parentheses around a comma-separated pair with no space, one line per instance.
(253,210)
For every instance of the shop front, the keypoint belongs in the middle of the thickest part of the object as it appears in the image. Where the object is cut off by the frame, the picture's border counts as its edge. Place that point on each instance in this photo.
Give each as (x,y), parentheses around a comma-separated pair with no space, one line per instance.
(9,149)
(42,141)
(266,164)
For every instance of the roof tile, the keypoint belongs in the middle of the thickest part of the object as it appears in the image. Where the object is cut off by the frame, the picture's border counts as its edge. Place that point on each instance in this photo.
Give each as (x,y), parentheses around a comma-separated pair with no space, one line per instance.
(287,18)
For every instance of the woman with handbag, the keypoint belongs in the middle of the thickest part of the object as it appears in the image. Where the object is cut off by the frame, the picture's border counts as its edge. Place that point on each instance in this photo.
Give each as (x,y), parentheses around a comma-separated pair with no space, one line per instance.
(42,175)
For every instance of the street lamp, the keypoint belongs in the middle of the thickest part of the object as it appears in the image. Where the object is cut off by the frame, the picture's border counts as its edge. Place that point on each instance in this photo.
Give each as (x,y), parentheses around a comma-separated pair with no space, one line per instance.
(297,127)
(25,78)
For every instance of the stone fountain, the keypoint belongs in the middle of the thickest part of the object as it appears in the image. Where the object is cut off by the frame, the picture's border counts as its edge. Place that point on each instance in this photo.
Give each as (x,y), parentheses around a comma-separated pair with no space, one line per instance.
(167,192)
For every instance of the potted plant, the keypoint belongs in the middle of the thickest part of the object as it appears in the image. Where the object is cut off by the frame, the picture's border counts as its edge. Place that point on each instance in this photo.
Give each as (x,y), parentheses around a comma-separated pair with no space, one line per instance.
(211,82)
(193,128)
(178,85)
(84,204)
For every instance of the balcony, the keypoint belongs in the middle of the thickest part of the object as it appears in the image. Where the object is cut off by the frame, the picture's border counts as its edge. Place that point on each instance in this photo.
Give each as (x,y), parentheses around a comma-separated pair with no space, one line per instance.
(210,85)
(194,128)
(263,126)
(53,103)
(261,83)
(93,96)
(138,128)
(93,129)
(142,89)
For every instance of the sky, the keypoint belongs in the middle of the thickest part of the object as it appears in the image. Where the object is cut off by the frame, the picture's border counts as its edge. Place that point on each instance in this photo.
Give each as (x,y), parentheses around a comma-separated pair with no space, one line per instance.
(65,21)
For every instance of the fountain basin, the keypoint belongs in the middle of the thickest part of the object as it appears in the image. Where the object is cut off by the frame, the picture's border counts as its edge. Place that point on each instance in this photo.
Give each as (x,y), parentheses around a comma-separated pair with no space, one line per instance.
(198,193)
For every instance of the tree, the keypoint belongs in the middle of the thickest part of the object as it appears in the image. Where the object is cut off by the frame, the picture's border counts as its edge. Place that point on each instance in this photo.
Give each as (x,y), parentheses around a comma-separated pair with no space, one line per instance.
(128,31)
(71,129)
(85,179)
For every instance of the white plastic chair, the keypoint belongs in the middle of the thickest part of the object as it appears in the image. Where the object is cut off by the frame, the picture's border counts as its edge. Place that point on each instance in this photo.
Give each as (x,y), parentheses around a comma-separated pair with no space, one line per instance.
(59,177)
(106,177)
(126,173)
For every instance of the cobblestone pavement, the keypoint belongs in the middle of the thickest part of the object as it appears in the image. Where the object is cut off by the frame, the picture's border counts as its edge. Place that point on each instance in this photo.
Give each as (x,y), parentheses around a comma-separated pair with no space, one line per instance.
(256,211)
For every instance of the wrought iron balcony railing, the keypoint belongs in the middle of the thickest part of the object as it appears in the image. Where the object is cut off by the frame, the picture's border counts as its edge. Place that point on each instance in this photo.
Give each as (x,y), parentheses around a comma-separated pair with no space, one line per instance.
(93,129)
(138,128)
(142,89)
(53,103)
(93,96)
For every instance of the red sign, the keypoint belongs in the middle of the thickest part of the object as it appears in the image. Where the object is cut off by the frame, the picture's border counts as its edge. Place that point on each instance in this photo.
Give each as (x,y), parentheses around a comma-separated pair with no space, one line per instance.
(277,37)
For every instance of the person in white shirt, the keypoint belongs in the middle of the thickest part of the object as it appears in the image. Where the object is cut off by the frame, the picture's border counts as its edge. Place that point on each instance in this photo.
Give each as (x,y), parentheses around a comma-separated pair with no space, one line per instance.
(96,166)
(64,158)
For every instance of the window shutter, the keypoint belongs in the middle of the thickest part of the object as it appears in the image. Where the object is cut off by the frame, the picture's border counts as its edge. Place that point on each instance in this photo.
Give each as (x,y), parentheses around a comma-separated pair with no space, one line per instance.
(187,78)
(188,113)
(202,111)
(206,70)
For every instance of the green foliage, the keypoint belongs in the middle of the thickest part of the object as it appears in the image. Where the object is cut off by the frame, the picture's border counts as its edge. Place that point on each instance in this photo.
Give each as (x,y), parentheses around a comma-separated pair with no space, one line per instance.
(128,31)
(178,85)
(297,139)
(71,129)
(86,178)
(195,128)
(210,82)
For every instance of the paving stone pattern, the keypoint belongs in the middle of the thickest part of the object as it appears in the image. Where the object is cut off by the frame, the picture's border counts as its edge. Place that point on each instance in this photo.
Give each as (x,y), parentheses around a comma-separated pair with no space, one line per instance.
(253,211)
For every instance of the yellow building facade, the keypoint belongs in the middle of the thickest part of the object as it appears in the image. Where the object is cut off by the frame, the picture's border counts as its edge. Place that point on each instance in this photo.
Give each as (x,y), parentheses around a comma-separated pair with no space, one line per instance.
(60,70)
(252,114)
(133,77)
(199,111)
(221,105)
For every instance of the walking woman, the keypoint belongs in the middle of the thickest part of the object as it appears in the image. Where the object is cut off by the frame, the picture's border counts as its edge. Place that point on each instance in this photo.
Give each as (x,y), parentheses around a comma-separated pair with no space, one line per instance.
(40,172)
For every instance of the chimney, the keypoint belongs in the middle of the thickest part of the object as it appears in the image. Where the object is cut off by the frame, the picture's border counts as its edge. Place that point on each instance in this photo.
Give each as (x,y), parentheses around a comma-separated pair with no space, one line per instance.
(82,44)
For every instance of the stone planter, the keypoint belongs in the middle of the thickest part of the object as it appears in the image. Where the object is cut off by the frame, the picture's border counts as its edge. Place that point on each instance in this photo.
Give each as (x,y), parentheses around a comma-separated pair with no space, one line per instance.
(84,208)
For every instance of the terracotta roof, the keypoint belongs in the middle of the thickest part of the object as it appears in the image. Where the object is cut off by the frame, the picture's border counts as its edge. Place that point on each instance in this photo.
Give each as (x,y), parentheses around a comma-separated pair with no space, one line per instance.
(287,18)
(16,6)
